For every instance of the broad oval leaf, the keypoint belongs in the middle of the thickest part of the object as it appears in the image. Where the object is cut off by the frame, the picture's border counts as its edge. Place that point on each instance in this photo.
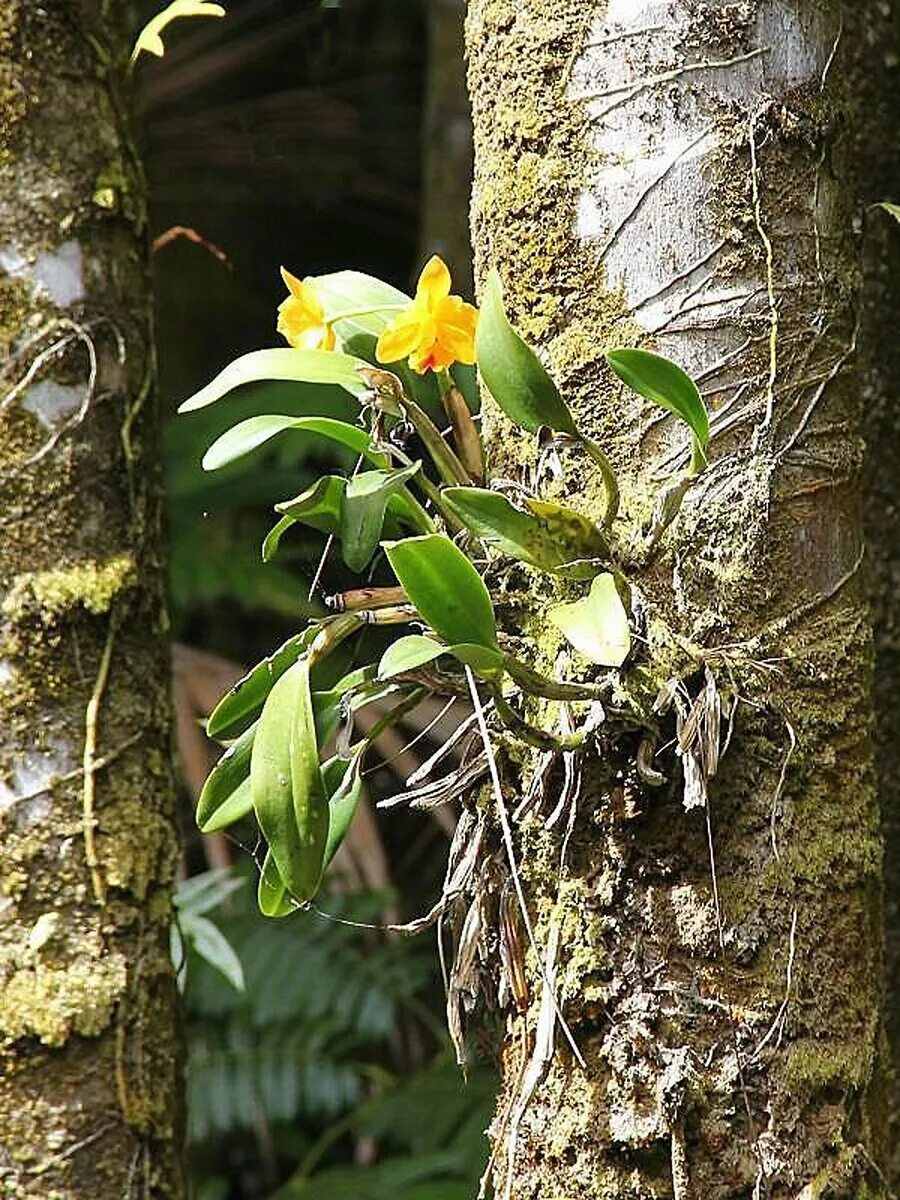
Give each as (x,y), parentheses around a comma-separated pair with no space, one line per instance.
(272,896)
(284,363)
(363,509)
(286,781)
(225,796)
(512,372)
(597,626)
(658,379)
(319,506)
(550,536)
(239,707)
(445,588)
(408,653)
(256,431)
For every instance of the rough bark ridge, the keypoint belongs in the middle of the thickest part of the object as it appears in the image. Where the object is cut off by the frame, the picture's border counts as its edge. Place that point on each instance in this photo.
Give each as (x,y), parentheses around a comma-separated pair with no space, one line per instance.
(88,1059)
(676,175)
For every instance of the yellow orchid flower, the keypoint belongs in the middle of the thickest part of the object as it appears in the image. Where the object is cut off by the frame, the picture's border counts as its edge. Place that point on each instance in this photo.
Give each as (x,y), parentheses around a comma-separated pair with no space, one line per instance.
(435,330)
(301,317)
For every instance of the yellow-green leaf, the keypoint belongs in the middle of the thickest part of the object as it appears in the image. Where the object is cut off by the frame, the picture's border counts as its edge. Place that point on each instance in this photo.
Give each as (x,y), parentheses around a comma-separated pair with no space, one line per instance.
(596,626)
(150,38)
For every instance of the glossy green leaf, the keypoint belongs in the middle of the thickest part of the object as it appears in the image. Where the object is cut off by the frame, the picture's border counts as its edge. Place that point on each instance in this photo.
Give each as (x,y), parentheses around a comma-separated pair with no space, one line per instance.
(272,896)
(414,651)
(286,780)
(282,363)
(550,536)
(512,372)
(445,588)
(343,782)
(241,705)
(319,506)
(213,947)
(660,380)
(248,435)
(596,626)
(362,512)
(225,796)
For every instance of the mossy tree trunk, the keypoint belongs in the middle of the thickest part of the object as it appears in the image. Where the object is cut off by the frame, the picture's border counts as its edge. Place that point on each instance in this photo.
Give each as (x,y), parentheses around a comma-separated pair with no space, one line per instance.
(89,1075)
(683,176)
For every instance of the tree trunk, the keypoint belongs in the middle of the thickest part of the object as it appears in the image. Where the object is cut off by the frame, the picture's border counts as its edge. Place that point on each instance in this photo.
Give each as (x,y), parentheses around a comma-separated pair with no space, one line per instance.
(88,1051)
(681,176)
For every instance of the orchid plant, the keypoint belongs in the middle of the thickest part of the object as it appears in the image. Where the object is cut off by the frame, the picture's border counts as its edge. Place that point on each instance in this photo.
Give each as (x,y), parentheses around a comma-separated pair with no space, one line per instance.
(421,498)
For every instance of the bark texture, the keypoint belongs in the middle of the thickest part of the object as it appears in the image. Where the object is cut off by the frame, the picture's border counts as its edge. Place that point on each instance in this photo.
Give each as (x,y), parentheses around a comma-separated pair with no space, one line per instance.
(88,1056)
(682,176)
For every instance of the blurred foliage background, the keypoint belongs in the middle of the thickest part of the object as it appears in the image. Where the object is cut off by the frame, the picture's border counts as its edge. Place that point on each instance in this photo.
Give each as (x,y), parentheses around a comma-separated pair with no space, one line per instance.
(318,134)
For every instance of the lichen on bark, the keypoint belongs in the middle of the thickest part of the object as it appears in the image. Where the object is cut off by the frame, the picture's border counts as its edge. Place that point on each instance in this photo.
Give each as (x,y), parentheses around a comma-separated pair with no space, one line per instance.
(89,1074)
(679,176)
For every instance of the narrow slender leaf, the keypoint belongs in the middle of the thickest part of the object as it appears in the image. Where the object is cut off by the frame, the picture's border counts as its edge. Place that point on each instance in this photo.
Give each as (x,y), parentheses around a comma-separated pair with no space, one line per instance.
(272,896)
(512,372)
(660,380)
(272,540)
(445,588)
(256,431)
(288,793)
(363,509)
(550,537)
(213,947)
(892,210)
(343,783)
(201,893)
(310,797)
(225,797)
(240,706)
(596,626)
(284,363)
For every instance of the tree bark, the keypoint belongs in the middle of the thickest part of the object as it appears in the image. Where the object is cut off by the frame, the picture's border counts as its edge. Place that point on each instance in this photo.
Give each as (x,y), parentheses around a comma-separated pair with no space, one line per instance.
(683,176)
(89,1077)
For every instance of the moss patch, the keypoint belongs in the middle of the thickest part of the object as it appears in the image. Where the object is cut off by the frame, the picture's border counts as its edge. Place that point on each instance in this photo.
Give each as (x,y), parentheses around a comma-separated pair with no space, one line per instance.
(90,585)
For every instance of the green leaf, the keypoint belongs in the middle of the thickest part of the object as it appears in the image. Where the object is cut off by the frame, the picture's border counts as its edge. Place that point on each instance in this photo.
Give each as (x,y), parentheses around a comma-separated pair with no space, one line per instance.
(550,537)
(150,38)
(657,379)
(225,796)
(343,782)
(445,588)
(208,941)
(363,509)
(206,891)
(285,363)
(409,653)
(596,626)
(319,506)
(286,780)
(329,706)
(239,707)
(272,896)
(255,431)
(892,209)
(272,540)
(512,372)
